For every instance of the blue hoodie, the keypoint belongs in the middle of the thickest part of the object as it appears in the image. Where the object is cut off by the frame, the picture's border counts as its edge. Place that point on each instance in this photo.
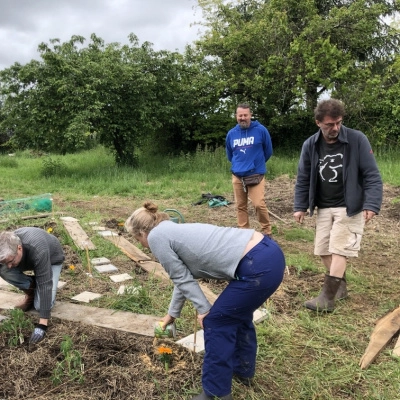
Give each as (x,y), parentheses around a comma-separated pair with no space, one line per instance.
(248,149)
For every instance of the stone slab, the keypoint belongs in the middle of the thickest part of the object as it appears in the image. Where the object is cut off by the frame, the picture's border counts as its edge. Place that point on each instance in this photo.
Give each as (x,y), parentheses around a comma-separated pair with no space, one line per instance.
(99,228)
(120,277)
(4,284)
(100,261)
(61,284)
(189,341)
(107,233)
(105,268)
(86,297)
(140,324)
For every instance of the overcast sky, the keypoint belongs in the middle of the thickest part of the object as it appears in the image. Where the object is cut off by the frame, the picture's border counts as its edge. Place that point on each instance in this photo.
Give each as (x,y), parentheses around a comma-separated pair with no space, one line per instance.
(24,24)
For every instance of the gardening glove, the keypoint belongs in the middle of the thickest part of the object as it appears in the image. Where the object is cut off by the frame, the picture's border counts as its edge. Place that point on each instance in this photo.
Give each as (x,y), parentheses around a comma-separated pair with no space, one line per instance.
(38,334)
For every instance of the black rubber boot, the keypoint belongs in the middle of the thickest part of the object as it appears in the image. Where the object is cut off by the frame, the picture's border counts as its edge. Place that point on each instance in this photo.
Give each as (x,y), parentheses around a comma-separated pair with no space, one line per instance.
(243,380)
(326,299)
(342,291)
(27,302)
(204,396)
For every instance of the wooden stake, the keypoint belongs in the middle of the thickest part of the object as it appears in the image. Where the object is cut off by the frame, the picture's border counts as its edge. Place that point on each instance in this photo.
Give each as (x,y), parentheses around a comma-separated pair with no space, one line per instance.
(89,265)
(195,331)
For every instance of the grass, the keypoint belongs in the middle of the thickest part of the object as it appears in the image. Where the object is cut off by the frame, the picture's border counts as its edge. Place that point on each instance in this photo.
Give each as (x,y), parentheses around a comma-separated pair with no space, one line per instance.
(302,355)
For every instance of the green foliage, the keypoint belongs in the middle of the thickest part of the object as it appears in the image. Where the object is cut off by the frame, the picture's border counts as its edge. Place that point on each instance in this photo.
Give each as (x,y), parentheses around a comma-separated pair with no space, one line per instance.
(282,55)
(71,367)
(301,262)
(135,299)
(8,162)
(15,326)
(296,234)
(53,167)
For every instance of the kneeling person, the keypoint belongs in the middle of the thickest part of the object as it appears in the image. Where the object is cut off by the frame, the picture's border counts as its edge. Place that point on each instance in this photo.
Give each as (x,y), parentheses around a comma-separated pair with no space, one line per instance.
(32,249)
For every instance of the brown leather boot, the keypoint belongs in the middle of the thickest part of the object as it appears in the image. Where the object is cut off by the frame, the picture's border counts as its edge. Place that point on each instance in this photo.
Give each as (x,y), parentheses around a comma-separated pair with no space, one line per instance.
(326,299)
(27,302)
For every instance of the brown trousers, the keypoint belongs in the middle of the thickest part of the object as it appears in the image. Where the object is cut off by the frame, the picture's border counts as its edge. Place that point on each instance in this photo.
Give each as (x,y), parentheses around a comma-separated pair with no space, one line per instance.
(256,194)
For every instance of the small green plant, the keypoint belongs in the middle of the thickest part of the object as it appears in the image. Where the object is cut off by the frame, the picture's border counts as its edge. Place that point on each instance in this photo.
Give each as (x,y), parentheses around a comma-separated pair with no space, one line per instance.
(71,367)
(53,167)
(15,325)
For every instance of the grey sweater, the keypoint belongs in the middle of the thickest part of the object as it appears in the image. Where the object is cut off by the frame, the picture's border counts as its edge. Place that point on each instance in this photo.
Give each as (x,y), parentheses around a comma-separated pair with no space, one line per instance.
(40,251)
(191,251)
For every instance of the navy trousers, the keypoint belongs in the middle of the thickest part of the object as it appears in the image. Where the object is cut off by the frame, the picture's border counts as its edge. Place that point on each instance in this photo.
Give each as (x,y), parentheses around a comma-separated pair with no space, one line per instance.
(229,334)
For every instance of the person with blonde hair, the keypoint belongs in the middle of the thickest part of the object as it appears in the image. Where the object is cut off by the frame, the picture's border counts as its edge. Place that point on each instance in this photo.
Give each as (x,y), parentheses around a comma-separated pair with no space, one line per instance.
(252,263)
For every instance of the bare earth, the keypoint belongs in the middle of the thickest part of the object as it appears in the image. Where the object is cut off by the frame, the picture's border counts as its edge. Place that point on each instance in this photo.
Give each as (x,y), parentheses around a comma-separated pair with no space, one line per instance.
(125,366)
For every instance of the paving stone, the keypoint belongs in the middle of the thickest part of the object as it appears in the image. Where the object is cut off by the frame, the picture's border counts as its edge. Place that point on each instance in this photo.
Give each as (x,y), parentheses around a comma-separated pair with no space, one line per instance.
(3,317)
(99,228)
(4,283)
(188,342)
(100,261)
(61,284)
(107,233)
(121,277)
(105,268)
(86,297)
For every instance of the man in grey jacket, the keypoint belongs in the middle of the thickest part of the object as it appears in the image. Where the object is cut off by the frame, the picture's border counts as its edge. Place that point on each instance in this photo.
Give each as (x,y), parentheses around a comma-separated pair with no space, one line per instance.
(32,249)
(338,175)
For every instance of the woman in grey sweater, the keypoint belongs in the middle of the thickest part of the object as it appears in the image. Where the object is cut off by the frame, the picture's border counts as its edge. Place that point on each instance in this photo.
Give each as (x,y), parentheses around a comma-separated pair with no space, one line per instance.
(252,263)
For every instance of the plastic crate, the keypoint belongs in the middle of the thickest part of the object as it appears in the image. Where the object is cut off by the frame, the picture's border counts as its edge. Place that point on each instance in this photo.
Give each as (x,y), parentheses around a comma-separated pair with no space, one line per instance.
(40,203)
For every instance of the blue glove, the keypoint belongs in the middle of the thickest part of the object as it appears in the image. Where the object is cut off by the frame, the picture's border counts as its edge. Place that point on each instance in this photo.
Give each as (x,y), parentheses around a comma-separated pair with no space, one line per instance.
(38,334)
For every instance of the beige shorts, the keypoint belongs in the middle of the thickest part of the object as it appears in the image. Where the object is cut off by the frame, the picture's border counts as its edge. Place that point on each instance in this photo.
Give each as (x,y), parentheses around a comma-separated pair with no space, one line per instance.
(336,233)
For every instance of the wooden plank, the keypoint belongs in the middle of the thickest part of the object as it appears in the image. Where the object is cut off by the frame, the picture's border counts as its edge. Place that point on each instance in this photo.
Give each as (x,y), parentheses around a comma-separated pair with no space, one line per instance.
(78,235)
(396,349)
(145,262)
(140,324)
(385,329)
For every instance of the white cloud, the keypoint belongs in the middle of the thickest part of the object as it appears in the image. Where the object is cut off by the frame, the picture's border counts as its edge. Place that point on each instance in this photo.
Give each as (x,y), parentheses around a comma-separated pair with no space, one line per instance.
(24,24)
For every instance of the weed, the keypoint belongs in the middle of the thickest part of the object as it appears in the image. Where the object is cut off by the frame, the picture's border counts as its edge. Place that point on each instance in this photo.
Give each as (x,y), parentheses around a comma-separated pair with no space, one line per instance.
(71,367)
(53,167)
(15,325)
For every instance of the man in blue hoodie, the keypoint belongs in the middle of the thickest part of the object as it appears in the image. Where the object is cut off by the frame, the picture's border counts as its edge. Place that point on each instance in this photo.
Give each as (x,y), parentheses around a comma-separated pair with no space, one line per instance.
(248,148)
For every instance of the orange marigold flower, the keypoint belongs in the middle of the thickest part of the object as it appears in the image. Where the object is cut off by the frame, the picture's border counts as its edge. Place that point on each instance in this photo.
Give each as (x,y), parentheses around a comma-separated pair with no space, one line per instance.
(164,350)
(72,267)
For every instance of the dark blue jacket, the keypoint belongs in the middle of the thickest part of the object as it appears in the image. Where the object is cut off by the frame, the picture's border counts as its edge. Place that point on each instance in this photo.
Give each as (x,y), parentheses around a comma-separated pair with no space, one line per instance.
(248,149)
(361,178)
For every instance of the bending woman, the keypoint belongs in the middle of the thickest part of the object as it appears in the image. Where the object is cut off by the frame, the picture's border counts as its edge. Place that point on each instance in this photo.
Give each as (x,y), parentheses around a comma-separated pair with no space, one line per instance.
(252,263)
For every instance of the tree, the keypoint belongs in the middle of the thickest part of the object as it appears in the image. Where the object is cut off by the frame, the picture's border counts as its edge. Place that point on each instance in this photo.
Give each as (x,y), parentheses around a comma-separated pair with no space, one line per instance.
(282,55)
(111,92)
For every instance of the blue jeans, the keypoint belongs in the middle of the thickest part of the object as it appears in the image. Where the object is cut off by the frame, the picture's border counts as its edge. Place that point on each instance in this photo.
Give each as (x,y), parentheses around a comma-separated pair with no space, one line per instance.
(229,334)
(15,276)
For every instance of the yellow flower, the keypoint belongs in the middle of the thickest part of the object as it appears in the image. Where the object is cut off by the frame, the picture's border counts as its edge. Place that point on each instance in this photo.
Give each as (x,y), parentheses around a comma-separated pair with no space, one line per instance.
(49,230)
(72,267)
